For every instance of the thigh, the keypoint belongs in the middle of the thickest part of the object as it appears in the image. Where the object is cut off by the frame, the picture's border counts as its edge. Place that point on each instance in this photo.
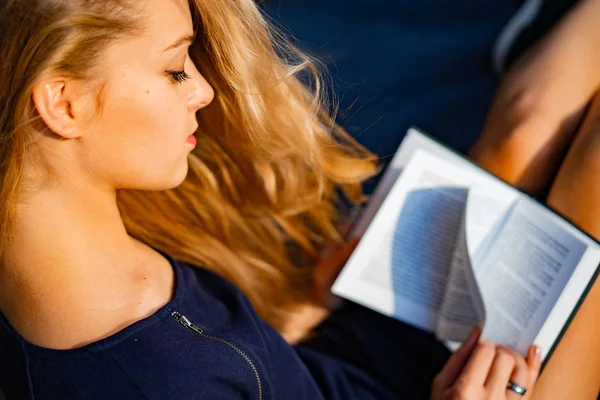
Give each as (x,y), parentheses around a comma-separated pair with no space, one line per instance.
(573,372)
(575,191)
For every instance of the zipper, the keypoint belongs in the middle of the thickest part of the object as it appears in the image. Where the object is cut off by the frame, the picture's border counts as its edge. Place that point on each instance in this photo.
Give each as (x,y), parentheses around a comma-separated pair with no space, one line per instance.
(183,320)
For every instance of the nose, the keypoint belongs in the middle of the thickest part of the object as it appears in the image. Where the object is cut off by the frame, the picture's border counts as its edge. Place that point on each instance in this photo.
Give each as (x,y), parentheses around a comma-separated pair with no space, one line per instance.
(201,93)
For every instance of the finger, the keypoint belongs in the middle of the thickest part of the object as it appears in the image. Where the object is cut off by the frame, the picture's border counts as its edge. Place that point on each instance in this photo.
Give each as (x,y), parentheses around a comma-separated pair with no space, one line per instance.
(345,228)
(501,370)
(338,253)
(457,361)
(477,368)
(352,243)
(332,262)
(328,268)
(520,374)
(350,220)
(534,363)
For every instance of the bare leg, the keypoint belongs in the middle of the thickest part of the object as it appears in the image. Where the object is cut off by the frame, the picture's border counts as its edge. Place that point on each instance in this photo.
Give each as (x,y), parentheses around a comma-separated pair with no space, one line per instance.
(524,151)
(576,189)
(574,370)
(541,100)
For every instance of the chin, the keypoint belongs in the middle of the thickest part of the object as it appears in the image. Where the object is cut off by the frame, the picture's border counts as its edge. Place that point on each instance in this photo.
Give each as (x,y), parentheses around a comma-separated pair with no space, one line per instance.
(179,177)
(163,181)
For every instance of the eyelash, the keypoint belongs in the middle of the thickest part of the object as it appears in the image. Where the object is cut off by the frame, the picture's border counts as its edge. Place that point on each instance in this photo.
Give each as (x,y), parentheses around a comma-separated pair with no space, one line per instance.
(179,76)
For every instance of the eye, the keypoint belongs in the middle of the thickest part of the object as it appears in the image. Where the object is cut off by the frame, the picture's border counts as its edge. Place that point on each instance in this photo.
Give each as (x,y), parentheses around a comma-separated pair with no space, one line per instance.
(179,76)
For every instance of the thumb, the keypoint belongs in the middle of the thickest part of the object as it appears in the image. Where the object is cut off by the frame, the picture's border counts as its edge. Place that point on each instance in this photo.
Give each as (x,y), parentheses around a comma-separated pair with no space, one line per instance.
(329,267)
(446,378)
(333,262)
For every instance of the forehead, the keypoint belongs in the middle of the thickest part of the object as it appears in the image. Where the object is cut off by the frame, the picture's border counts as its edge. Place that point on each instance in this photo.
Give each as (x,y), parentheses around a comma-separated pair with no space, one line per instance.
(163,23)
(166,21)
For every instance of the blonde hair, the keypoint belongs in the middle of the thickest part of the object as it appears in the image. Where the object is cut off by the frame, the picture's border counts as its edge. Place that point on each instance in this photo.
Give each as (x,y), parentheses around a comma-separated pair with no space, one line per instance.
(260,197)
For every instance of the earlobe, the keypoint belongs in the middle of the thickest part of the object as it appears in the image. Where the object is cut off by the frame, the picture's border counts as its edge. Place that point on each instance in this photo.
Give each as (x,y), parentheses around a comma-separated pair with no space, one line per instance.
(55,108)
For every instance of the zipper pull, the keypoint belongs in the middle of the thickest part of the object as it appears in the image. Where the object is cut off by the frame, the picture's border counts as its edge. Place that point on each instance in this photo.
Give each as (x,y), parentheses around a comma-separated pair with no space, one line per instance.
(183,320)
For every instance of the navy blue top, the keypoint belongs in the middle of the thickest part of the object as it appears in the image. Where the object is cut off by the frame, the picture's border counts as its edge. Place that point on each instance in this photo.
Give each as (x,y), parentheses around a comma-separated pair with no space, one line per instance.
(208,343)
(228,353)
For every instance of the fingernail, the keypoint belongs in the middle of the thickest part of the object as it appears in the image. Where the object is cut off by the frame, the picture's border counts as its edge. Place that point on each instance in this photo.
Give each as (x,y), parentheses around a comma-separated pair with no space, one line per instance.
(472,336)
(537,351)
(502,348)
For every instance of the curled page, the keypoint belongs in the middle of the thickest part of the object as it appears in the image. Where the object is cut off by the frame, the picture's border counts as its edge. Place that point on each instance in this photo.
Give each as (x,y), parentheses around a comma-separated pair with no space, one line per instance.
(463,305)
(400,267)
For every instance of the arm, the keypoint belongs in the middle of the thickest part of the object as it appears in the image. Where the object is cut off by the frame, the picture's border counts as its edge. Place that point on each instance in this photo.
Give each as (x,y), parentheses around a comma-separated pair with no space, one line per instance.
(540,102)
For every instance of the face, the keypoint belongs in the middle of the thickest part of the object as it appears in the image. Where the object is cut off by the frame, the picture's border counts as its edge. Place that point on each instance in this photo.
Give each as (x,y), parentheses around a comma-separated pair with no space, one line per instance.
(143,135)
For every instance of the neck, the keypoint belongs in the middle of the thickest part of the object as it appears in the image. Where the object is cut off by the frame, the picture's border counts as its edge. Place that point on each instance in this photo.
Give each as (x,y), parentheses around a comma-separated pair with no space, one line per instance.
(67,237)
(71,224)
(73,263)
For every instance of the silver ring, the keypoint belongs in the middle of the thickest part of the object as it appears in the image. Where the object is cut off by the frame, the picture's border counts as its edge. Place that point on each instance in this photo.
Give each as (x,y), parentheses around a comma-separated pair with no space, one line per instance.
(518,389)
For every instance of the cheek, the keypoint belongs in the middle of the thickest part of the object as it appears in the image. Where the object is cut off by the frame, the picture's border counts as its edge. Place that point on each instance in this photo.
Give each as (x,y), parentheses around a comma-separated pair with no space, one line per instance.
(154,110)
(141,138)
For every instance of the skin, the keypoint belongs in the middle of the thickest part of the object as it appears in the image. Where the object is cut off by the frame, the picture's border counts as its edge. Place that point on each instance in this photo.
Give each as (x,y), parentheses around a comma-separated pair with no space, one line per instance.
(541,102)
(68,232)
(480,370)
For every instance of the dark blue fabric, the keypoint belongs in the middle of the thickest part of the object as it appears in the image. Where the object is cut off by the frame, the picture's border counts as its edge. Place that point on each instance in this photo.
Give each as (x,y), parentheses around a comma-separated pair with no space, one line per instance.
(357,354)
(551,12)
(398,63)
(356,343)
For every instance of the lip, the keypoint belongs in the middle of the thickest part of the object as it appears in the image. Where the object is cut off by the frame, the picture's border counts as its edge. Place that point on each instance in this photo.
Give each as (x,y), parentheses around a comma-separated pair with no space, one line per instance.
(192,140)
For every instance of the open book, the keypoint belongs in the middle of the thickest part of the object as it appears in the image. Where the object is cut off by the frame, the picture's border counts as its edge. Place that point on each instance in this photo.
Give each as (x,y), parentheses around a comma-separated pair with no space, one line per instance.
(446,245)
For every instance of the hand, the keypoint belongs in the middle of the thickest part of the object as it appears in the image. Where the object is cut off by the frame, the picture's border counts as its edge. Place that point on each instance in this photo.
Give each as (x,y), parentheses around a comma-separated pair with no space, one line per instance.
(321,302)
(540,102)
(326,271)
(481,371)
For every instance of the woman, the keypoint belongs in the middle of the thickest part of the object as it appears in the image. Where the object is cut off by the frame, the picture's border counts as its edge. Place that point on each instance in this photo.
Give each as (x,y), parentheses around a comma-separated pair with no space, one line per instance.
(105,97)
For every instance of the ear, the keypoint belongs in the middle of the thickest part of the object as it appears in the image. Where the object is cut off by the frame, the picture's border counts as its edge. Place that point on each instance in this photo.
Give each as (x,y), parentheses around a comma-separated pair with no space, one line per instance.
(55,100)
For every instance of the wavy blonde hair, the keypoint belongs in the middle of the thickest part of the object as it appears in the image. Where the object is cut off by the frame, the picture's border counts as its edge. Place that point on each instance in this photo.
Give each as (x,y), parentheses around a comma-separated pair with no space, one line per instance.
(260,197)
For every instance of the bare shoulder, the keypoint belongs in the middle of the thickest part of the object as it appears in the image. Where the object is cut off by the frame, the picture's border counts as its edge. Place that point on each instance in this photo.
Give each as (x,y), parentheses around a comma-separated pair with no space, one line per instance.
(74,310)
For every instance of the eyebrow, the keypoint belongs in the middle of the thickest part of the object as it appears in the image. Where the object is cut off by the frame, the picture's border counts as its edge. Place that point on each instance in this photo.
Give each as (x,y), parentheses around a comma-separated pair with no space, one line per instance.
(181,41)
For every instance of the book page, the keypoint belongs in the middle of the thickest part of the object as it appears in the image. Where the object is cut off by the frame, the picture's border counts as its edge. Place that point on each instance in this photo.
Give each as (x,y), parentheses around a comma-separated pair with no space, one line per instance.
(463,306)
(400,267)
(524,273)
(413,141)
(422,248)
(573,294)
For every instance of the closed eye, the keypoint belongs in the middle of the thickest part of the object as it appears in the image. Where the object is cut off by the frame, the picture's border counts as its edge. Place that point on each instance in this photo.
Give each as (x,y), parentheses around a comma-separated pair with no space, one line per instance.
(179,76)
